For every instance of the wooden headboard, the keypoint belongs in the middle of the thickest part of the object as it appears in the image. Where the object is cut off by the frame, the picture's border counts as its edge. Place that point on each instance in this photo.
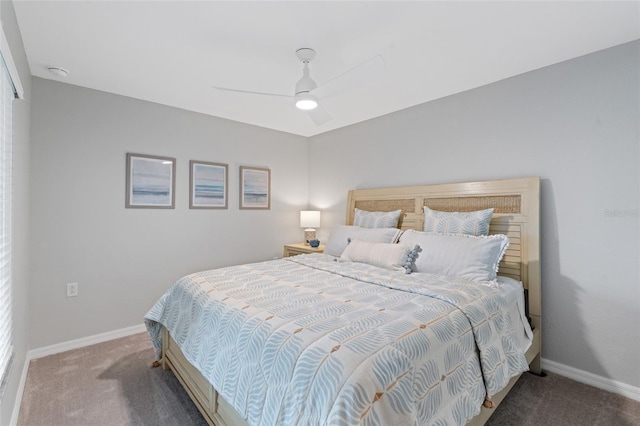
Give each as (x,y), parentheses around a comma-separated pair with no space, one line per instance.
(516,204)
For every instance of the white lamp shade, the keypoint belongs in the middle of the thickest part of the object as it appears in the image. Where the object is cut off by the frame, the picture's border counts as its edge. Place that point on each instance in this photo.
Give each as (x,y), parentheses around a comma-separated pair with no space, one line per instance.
(309,219)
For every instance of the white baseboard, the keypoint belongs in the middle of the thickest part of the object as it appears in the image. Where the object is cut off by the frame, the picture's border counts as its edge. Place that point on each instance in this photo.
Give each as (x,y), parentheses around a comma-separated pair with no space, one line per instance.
(592,379)
(62,347)
(19,393)
(85,341)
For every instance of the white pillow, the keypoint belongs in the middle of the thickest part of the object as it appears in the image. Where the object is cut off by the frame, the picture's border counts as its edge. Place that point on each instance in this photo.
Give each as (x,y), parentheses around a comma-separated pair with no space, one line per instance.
(470,223)
(472,257)
(366,219)
(396,257)
(339,237)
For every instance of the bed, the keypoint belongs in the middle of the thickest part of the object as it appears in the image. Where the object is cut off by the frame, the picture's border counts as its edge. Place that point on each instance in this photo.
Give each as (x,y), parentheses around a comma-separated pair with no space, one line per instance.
(359,374)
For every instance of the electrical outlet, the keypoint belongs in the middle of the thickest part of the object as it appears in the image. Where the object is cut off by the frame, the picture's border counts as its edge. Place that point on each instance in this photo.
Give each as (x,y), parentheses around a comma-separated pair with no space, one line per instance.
(72,289)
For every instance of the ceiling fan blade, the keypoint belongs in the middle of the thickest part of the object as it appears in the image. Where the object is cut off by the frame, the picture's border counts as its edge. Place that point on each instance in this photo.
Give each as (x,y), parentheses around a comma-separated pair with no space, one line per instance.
(249,92)
(368,72)
(319,115)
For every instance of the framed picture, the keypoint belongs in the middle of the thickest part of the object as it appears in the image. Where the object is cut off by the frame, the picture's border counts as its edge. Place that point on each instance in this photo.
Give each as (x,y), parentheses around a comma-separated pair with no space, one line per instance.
(208,185)
(150,182)
(255,188)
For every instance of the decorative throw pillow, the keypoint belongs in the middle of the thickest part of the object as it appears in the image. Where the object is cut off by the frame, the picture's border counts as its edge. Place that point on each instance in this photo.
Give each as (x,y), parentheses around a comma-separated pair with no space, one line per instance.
(470,223)
(397,257)
(367,219)
(339,237)
(472,257)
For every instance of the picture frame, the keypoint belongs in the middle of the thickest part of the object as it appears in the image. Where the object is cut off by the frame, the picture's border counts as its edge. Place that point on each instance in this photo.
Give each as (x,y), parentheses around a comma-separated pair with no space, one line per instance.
(150,182)
(255,188)
(208,185)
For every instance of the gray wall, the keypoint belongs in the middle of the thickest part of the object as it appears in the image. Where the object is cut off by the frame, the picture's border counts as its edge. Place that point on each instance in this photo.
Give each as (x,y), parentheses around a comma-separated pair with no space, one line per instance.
(124,259)
(20,260)
(575,125)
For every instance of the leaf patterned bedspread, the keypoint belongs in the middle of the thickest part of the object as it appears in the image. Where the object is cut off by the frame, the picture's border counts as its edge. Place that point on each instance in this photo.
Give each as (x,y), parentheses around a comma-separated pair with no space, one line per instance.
(308,340)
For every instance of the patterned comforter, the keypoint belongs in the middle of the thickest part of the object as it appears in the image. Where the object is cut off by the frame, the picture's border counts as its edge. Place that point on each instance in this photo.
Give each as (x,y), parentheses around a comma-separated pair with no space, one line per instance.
(307,340)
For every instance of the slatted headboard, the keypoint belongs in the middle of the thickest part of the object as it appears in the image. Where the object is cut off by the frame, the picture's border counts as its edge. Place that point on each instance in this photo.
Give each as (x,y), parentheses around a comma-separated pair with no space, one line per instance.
(516,204)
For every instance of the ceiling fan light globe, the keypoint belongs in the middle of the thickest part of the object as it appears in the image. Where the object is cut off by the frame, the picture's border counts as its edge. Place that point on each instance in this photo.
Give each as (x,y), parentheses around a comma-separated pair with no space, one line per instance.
(306,102)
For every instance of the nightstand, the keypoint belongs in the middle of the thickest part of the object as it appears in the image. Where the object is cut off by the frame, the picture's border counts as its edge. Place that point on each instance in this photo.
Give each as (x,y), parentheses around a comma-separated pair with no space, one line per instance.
(300,248)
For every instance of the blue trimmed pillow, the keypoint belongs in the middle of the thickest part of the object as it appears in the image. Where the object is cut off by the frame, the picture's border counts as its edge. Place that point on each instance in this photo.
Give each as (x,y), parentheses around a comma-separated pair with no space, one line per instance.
(469,223)
(397,257)
(366,219)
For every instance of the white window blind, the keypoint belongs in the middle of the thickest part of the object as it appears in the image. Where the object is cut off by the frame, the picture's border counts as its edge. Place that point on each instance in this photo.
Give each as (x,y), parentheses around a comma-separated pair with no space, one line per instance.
(7,92)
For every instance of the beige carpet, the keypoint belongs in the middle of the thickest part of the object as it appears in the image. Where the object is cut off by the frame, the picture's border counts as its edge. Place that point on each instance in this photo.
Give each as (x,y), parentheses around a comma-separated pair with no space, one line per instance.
(112,384)
(557,401)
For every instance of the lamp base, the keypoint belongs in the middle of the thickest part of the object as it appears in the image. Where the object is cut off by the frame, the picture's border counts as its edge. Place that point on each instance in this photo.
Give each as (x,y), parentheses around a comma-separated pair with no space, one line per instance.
(309,234)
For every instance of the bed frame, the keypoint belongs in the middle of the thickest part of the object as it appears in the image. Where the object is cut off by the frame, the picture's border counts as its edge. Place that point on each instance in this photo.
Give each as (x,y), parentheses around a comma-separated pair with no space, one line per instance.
(516,214)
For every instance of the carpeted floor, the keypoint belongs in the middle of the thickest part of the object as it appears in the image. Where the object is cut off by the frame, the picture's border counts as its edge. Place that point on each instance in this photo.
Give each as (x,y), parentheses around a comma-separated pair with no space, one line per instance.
(557,401)
(112,383)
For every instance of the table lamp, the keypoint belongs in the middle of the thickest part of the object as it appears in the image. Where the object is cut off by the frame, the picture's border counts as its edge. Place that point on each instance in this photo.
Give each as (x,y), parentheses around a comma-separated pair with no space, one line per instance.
(309,219)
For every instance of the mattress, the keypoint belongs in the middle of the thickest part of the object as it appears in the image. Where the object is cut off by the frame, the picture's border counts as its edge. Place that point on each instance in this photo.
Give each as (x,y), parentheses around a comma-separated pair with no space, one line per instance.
(309,340)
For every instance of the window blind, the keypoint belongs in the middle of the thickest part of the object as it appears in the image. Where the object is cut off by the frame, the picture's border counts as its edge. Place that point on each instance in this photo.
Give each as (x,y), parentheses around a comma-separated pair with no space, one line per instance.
(7,92)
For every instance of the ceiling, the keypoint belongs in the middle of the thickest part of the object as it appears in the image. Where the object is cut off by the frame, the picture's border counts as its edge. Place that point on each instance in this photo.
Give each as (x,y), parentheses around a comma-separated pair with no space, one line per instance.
(173,52)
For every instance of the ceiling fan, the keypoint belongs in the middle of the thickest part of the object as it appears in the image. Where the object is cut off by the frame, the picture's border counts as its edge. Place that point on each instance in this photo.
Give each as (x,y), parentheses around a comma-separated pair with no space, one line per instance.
(307,93)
